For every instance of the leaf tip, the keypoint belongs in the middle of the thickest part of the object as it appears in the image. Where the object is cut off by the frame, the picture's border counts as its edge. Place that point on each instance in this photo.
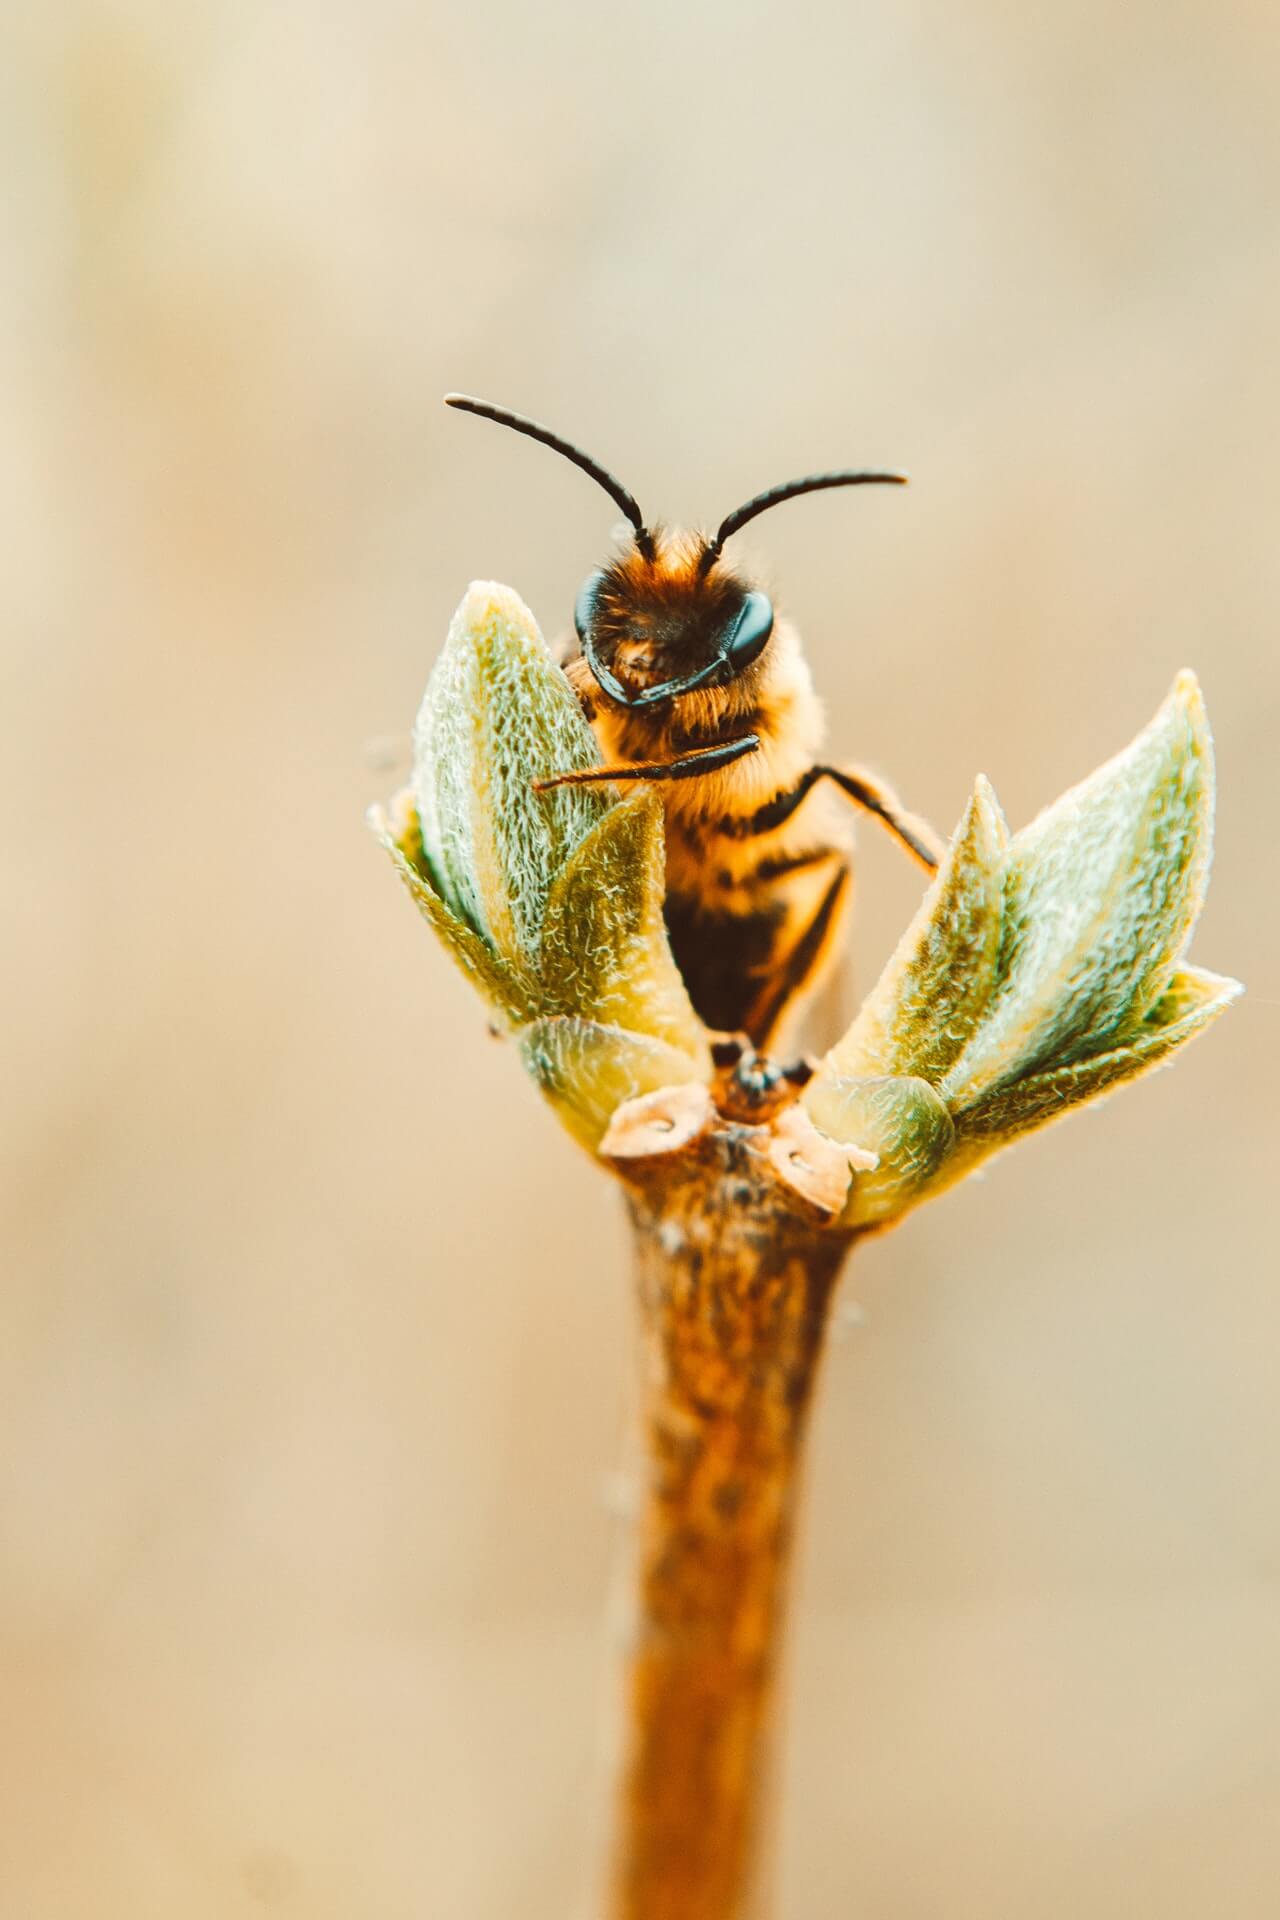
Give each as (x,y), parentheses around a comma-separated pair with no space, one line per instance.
(984,818)
(488,606)
(1183,709)
(1186,692)
(1225,989)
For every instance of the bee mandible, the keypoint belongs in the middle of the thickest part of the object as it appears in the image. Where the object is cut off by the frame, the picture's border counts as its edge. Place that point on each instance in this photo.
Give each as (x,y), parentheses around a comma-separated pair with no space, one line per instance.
(689,678)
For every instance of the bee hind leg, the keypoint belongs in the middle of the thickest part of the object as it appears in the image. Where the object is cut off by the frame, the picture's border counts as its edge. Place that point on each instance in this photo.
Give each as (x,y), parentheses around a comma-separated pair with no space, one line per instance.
(799,966)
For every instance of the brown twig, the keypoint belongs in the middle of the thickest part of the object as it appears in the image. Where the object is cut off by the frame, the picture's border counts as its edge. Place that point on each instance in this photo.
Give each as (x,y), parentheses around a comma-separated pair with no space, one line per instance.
(735,1272)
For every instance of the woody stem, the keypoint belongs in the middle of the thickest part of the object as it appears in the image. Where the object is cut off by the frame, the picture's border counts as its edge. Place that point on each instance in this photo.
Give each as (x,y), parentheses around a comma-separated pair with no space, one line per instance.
(733,1292)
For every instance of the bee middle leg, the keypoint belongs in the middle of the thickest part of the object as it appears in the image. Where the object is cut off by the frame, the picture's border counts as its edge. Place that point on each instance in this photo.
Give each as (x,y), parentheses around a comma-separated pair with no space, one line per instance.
(865,791)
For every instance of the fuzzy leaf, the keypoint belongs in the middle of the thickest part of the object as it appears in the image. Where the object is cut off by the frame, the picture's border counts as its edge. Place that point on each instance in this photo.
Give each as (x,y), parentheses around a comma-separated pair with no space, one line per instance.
(497,715)
(1101,893)
(587,1070)
(900,1119)
(1192,999)
(605,954)
(508,989)
(930,998)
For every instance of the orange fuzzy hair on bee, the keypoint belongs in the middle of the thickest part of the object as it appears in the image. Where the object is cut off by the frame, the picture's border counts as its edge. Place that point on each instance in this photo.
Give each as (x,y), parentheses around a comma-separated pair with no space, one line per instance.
(659,612)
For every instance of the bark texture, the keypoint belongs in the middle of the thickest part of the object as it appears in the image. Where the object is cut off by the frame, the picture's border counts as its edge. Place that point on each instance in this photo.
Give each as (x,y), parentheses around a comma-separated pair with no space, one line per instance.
(735,1276)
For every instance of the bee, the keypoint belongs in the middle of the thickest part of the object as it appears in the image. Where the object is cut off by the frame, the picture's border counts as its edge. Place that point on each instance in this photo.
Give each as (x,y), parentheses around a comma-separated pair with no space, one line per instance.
(688,678)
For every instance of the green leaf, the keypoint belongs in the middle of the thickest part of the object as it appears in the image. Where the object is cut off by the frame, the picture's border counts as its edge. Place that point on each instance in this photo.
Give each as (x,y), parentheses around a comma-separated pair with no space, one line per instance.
(1191,1001)
(587,1070)
(898,1117)
(509,990)
(935,990)
(605,953)
(1100,896)
(498,714)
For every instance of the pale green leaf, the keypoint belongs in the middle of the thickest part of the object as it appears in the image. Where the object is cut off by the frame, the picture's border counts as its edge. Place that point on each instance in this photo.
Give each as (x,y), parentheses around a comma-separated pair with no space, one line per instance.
(930,998)
(605,954)
(508,989)
(897,1117)
(587,1070)
(1100,896)
(498,714)
(1192,999)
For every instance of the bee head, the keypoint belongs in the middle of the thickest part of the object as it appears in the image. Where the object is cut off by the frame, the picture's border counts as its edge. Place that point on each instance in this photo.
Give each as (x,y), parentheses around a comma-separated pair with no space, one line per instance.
(668,617)
(662,621)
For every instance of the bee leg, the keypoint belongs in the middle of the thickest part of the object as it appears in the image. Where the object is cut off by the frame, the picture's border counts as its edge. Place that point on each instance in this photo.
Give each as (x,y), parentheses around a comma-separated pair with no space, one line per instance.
(728,1048)
(687,767)
(803,961)
(866,791)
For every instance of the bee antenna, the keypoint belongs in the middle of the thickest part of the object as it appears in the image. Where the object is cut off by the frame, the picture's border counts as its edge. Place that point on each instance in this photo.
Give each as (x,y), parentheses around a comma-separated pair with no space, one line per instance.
(774,496)
(535,431)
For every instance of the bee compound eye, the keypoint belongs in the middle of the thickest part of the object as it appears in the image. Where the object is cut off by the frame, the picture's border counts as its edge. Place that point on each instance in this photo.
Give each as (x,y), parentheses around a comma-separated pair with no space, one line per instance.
(585,605)
(750,632)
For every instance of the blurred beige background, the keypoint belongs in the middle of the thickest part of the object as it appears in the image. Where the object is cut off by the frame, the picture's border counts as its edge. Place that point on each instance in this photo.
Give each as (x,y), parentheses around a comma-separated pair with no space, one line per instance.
(307,1415)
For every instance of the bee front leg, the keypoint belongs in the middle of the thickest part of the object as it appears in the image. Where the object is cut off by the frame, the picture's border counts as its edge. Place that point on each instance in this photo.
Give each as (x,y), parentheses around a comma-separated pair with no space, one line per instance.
(687,767)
